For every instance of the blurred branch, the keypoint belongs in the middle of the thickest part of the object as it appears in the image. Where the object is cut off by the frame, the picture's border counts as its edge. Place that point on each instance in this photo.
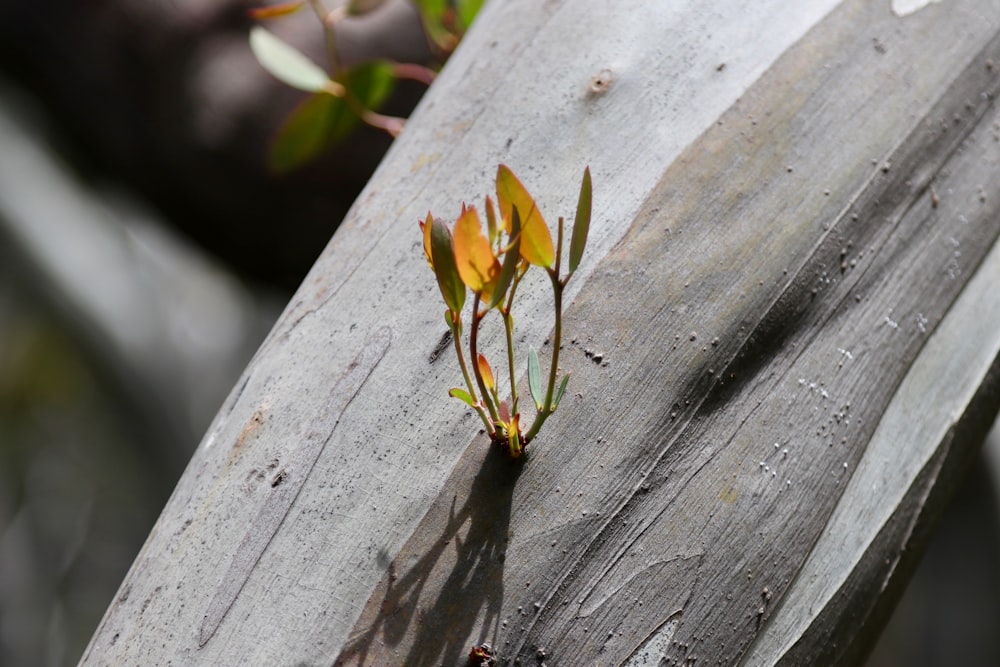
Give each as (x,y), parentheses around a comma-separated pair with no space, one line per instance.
(172,327)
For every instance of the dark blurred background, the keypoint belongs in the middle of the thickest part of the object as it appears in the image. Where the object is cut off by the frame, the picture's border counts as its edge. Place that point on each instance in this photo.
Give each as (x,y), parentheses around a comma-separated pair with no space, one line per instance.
(146,249)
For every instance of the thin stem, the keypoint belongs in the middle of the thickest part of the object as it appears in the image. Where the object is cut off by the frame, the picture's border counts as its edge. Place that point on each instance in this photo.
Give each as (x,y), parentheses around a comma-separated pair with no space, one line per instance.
(474,352)
(456,335)
(414,72)
(557,290)
(393,125)
(328,20)
(508,325)
(547,410)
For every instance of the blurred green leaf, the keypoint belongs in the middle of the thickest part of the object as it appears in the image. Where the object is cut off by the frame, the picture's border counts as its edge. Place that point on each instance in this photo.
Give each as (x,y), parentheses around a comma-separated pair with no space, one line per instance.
(371,83)
(288,64)
(438,19)
(467,11)
(323,120)
(535,378)
(581,226)
(304,134)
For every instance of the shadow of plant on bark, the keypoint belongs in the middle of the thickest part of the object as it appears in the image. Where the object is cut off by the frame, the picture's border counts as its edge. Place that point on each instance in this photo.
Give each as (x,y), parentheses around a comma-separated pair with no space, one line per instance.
(448,578)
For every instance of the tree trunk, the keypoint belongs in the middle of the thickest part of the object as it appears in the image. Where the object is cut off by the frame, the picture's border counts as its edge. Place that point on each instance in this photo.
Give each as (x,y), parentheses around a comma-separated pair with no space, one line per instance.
(783,340)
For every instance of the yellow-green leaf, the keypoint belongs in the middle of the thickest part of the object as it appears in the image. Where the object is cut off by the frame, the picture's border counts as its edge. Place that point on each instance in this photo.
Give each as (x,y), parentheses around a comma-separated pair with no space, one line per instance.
(452,288)
(536,240)
(463,396)
(477,265)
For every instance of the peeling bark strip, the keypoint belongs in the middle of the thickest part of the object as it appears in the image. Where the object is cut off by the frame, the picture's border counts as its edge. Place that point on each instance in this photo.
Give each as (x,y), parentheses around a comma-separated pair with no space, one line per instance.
(287,482)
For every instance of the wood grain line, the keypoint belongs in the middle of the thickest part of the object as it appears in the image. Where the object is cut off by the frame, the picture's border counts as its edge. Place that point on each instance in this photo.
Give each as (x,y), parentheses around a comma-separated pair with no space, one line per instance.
(288,482)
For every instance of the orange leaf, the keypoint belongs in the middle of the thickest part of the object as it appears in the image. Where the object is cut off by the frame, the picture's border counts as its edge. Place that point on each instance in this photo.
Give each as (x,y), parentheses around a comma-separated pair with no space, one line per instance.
(275,11)
(486,372)
(477,265)
(536,241)
(425,227)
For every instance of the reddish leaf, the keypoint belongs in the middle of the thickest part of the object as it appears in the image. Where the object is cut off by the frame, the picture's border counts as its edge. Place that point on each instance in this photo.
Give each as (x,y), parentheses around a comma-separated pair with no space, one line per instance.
(486,372)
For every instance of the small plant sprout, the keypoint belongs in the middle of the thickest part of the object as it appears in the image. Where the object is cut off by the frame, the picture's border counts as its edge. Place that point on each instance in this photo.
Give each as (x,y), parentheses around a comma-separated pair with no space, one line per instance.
(491,266)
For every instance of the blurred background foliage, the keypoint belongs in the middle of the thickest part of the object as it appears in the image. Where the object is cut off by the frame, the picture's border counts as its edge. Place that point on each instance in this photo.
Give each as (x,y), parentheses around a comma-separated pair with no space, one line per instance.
(146,247)
(76,495)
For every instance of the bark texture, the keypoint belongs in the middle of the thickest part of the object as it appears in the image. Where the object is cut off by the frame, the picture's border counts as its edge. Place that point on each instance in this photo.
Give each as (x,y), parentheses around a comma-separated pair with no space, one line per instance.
(788,290)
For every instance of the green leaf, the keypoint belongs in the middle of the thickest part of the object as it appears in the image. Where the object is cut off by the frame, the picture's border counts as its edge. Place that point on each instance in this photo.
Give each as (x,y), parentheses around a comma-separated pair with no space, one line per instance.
(304,134)
(561,391)
(371,83)
(452,287)
(463,396)
(323,120)
(535,379)
(510,259)
(432,13)
(288,64)
(467,11)
(581,226)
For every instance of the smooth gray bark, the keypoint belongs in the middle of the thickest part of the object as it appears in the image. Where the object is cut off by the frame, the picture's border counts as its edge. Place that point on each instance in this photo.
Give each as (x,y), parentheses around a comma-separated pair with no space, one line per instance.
(788,284)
